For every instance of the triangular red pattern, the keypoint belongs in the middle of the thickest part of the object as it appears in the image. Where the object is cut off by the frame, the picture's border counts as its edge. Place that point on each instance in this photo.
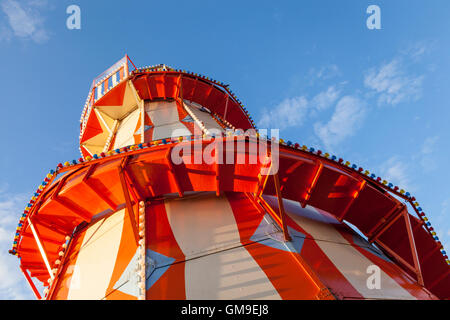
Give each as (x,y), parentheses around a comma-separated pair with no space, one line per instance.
(181,112)
(147,133)
(136,134)
(114,97)
(92,129)
(147,120)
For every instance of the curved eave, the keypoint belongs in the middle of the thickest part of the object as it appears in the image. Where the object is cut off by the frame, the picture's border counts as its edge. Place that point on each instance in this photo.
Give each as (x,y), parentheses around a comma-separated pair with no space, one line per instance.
(157,85)
(206,92)
(304,176)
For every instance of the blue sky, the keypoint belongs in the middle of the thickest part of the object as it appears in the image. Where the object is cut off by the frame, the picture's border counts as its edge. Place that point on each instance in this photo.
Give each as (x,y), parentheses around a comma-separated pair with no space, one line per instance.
(378,98)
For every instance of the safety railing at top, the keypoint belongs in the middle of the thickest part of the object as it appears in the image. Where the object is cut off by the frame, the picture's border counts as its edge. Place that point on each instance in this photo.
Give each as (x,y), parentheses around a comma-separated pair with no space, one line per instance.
(101,85)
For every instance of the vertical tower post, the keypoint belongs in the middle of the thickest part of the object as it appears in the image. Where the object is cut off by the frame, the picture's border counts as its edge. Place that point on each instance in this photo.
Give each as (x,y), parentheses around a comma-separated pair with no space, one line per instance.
(142,252)
(41,249)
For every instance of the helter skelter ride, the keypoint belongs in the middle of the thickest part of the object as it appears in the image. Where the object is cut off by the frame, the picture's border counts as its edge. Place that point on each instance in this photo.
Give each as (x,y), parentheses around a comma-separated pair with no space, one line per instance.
(127,221)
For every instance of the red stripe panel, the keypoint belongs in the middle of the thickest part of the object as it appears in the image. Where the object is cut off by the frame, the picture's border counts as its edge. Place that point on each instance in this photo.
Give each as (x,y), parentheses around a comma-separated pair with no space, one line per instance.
(160,238)
(286,274)
(392,270)
(61,291)
(125,253)
(324,267)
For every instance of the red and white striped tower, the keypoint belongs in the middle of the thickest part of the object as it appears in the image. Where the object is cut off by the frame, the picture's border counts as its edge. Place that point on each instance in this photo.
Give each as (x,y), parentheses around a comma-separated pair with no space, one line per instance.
(178,196)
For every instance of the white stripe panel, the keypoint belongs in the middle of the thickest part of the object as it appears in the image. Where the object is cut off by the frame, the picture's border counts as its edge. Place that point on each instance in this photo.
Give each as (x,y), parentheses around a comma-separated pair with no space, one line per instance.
(165,118)
(115,79)
(349,261)
(206,226)
(99,91)
(171,130)
(204,117)
(125,132)
(97,258)
(231,274)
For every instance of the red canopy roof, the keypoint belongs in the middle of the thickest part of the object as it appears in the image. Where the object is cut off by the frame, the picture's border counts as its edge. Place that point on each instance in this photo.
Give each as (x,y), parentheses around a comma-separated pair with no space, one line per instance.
(157,85)
(90,188)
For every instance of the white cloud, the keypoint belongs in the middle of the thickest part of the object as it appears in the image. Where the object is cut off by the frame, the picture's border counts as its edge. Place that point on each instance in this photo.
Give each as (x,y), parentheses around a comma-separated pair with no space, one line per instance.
(326,72)
(429,144)
(325,99)
(396,171)
(417,50)
(289,113)
(38,3)
(445,207)
(347,118)
(293,111)
(426,158)
(25,20)
(441,220)
(392,85)
(12,283)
